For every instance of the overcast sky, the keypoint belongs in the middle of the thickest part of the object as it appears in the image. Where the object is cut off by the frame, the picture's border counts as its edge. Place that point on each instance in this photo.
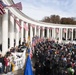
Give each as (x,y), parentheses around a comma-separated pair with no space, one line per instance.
(38,9)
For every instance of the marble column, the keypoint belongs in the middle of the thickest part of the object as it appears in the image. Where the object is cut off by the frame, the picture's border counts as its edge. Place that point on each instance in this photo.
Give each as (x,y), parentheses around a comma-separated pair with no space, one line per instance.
(72,34)
(53,33)
(64,31)
(66,34)
(17,33)
(60,35)
(35,31)
(11,31)
(43,32)
(47,32)
(39,31)
(75,33)
(31,34)
(5,32)
(26,33)
(22,31)
(69,34)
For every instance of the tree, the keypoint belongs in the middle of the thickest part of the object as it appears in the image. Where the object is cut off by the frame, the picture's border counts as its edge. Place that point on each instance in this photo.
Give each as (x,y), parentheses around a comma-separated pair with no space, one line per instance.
(46,19)
(55,19)
(67,21)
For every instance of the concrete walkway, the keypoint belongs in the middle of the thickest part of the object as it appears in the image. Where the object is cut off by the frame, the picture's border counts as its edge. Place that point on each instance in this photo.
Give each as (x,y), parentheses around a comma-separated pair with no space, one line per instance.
(18,72)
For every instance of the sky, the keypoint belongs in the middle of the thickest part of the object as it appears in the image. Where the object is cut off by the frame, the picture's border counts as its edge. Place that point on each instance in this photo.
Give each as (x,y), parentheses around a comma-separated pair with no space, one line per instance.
(38,9)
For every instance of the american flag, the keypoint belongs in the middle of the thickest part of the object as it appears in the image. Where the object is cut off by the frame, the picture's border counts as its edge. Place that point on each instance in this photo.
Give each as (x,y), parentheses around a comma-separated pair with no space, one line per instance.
(70,30)
(33,26)
(18,25)
(2,11)
(17,5)
(50,28)
(18,22)
(33,42)
(64,30)
(25,27)
(31,54)
(42,28)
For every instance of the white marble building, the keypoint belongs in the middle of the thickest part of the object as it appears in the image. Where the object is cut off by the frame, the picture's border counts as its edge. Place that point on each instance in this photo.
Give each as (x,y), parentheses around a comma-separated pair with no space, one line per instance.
(9,29)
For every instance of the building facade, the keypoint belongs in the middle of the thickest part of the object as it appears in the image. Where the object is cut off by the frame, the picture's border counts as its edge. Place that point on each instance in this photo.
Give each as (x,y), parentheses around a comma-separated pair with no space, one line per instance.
(15,26)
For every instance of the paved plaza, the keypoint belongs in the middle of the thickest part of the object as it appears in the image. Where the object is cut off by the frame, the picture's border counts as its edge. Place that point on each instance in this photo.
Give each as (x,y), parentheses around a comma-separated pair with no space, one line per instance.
(19,72)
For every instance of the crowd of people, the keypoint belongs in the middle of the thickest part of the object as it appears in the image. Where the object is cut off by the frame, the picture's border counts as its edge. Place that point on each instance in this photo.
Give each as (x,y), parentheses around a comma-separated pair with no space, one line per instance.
(53,58)
(7,62)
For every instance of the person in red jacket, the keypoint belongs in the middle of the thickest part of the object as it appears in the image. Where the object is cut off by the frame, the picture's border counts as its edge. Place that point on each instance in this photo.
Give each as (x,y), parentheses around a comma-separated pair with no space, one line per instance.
(6,59)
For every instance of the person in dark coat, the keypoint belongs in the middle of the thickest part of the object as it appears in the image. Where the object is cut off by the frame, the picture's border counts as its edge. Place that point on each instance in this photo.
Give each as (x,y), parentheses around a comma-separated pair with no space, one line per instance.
(47,66)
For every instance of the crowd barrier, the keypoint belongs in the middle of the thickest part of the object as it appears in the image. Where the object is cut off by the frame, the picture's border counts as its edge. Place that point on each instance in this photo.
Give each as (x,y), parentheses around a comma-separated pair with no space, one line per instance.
(19,59)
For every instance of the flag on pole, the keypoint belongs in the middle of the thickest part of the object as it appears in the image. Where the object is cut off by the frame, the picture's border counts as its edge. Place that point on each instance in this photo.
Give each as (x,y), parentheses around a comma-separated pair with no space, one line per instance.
(64,30)
(33,42)
(31,54)
(42,28)
(28,67)
(17,5)
(18,25)
(2,11)
(70,30)
(33,26)
(50,28)
(18,22)
(25,27)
